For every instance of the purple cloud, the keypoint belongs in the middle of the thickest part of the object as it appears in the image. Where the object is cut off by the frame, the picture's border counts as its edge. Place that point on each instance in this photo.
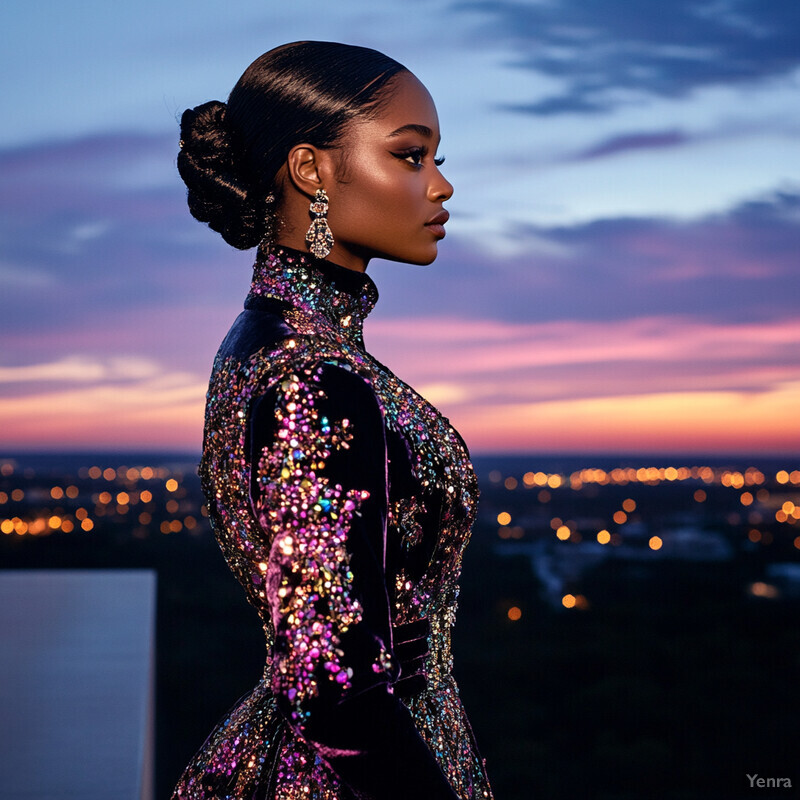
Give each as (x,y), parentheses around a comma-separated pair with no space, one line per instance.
(633,141)
(98,227)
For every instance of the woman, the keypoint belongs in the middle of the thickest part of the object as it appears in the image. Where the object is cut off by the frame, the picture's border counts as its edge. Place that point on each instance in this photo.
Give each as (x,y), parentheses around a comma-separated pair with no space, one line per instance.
(341,499)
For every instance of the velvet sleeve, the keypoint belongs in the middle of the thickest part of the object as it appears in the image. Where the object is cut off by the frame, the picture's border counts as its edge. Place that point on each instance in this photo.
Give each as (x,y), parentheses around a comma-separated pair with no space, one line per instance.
(320,491)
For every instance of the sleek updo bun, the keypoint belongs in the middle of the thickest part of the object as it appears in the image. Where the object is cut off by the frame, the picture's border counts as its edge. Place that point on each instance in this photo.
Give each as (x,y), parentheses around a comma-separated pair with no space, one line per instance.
(303,92)
(209,167)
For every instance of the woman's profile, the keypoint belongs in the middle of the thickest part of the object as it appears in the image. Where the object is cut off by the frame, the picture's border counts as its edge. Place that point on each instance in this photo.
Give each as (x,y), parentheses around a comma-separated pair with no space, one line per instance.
(341,499)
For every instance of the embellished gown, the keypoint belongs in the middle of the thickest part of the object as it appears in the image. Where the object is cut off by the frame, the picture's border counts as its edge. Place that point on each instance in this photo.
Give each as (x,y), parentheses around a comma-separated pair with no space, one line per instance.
(342,502)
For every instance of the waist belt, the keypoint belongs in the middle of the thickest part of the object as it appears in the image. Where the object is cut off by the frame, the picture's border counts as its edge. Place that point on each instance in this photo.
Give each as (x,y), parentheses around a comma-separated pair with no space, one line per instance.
(410,644)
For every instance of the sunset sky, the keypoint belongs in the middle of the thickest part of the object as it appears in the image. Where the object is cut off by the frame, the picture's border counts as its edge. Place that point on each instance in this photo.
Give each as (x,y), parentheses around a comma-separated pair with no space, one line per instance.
(622,266)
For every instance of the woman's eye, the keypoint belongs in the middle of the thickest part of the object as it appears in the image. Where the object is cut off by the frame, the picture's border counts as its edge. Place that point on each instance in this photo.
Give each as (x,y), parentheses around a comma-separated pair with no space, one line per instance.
(413,156)
(416,156)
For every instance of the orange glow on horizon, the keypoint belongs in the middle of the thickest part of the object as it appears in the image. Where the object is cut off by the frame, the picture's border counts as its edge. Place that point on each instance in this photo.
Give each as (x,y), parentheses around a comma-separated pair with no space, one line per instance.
(486,376)
(685,422)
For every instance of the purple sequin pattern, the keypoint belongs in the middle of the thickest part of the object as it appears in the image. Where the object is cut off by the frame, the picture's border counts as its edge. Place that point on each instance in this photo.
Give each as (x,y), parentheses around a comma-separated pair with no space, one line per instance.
(309,581)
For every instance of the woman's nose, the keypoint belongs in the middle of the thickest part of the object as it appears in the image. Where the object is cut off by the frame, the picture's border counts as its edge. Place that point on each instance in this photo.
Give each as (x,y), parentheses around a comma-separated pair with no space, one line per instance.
(440,189)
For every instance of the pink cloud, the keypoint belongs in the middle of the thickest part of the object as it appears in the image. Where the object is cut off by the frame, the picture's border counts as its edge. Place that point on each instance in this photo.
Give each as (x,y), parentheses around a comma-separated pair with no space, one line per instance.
(464,349)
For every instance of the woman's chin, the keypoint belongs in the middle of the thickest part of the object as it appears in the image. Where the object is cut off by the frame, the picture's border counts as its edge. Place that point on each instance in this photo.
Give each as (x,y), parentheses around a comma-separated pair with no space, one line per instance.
(420,258)
(425,256)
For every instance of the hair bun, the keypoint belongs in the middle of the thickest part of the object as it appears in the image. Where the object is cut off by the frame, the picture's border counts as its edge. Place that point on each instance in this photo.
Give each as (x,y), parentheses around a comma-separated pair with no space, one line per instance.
(210,168)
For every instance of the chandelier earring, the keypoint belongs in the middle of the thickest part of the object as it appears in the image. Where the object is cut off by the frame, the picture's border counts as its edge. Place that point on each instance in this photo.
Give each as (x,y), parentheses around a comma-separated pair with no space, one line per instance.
(319,237)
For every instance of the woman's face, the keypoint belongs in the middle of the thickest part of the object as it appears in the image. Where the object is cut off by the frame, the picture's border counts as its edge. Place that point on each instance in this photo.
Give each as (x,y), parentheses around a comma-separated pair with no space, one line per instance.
(387,202)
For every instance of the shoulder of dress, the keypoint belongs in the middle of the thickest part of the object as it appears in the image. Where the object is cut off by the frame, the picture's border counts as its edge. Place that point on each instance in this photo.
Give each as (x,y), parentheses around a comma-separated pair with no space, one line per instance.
(293,354)
(254,330)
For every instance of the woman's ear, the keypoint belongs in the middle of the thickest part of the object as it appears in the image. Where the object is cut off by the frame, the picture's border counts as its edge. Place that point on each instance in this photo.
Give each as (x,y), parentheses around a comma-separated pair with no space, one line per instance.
(309,168)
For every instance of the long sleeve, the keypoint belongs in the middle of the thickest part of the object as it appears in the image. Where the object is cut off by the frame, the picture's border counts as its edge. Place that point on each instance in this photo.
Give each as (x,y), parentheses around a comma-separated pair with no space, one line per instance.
(320,490)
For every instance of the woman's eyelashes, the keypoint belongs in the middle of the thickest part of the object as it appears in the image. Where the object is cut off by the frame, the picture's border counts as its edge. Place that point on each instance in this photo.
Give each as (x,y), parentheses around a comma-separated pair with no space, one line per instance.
(416,155)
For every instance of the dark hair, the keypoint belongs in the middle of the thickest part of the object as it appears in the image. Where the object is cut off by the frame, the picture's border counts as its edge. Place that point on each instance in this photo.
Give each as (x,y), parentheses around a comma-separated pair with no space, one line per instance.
(298,92)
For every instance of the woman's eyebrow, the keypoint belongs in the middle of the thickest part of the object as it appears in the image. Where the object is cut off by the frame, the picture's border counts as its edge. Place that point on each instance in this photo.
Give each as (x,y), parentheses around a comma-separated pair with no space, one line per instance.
(422,130)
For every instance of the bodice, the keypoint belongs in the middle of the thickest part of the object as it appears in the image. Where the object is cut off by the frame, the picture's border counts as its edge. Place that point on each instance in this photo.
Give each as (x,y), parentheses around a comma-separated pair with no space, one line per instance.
(301,312)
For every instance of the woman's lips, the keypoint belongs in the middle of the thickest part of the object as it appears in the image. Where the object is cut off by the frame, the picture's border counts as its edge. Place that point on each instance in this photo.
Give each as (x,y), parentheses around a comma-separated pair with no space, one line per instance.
(436,225)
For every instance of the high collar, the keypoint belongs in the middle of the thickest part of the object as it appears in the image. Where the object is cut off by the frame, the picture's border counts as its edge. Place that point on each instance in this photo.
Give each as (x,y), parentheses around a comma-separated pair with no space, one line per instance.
(314,288)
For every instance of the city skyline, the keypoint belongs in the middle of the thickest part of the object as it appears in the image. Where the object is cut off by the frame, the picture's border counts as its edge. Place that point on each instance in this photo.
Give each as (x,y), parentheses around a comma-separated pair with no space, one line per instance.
(620,272)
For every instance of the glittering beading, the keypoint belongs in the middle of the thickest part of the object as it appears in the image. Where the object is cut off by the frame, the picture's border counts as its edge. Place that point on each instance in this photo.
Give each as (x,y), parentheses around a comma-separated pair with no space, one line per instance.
(308,577)
(342,502)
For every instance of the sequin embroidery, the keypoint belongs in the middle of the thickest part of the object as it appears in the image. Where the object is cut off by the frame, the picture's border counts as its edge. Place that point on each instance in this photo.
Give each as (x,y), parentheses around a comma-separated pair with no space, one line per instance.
(309,577)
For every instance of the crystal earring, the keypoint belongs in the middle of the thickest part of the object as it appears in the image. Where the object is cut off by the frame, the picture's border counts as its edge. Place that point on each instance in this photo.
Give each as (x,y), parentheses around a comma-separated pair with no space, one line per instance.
(319,237)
